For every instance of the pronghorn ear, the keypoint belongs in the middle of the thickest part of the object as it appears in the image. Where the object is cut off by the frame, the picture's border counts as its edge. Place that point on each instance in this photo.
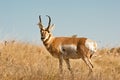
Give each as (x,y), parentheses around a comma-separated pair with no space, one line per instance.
(40,25)
(51,27)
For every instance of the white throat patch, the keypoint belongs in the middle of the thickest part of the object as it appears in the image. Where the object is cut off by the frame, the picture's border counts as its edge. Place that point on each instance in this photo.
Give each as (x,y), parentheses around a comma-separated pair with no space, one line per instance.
(46,38)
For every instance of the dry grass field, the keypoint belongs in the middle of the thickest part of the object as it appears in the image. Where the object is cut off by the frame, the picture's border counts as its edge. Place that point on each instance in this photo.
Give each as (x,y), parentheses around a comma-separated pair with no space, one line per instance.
(25,61)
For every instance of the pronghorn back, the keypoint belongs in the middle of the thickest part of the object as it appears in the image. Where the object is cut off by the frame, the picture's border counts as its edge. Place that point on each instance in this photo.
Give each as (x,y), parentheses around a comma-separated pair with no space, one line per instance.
(65,45)
(69,46)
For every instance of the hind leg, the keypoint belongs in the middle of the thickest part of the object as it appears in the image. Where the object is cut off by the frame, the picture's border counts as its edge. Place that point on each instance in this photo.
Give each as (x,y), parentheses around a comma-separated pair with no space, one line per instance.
(85,59)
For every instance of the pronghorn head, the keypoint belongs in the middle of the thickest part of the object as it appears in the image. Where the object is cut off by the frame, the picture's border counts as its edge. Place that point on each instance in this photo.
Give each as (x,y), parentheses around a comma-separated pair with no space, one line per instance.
(45,32)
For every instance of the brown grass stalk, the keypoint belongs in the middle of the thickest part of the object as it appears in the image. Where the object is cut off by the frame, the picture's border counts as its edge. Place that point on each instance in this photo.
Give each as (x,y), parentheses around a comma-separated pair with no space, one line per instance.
(25,61)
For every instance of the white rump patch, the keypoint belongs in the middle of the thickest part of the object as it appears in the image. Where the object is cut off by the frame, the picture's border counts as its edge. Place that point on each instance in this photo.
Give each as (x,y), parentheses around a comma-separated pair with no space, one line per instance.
(91,45)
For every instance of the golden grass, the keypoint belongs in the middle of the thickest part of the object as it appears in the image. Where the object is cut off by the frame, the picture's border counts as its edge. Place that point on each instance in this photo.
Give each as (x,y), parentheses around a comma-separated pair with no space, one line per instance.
(25,61)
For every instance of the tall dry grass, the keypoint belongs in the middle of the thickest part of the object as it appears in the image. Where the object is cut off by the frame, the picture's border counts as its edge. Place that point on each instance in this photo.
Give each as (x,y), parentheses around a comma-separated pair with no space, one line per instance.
(25,61)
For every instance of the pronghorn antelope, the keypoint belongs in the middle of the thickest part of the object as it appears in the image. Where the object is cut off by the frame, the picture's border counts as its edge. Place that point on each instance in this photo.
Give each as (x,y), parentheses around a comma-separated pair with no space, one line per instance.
(65,48)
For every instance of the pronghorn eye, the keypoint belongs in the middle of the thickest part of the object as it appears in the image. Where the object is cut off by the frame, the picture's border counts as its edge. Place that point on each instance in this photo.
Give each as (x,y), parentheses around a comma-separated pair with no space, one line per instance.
(48,31)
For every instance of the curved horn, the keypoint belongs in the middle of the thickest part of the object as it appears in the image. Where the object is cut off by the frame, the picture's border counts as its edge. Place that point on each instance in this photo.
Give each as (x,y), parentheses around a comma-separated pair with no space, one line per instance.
(49,23)
(40,23)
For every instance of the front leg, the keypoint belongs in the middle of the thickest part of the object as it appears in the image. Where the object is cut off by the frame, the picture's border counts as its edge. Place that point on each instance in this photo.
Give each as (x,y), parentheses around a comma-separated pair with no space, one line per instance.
(61,64)
(68,64)
(61,67)
(69,67)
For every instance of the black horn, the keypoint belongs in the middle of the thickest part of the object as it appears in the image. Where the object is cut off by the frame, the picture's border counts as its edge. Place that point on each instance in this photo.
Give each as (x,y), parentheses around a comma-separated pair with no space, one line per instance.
(49,23)
(40,19)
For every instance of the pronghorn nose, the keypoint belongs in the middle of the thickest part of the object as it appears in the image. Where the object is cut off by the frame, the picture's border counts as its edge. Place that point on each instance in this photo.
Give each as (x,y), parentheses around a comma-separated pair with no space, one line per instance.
(42,38)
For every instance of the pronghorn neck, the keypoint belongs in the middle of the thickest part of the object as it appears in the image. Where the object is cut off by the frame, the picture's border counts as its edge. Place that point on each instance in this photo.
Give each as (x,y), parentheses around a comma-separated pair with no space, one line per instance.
(49,40)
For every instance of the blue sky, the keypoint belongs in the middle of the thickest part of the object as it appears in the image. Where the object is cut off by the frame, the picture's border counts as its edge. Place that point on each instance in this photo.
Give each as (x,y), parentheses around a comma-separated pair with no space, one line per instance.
(95,19)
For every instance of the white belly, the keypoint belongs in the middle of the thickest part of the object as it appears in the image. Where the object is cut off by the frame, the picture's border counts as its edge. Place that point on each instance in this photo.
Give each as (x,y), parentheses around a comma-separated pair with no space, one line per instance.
(69,51)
